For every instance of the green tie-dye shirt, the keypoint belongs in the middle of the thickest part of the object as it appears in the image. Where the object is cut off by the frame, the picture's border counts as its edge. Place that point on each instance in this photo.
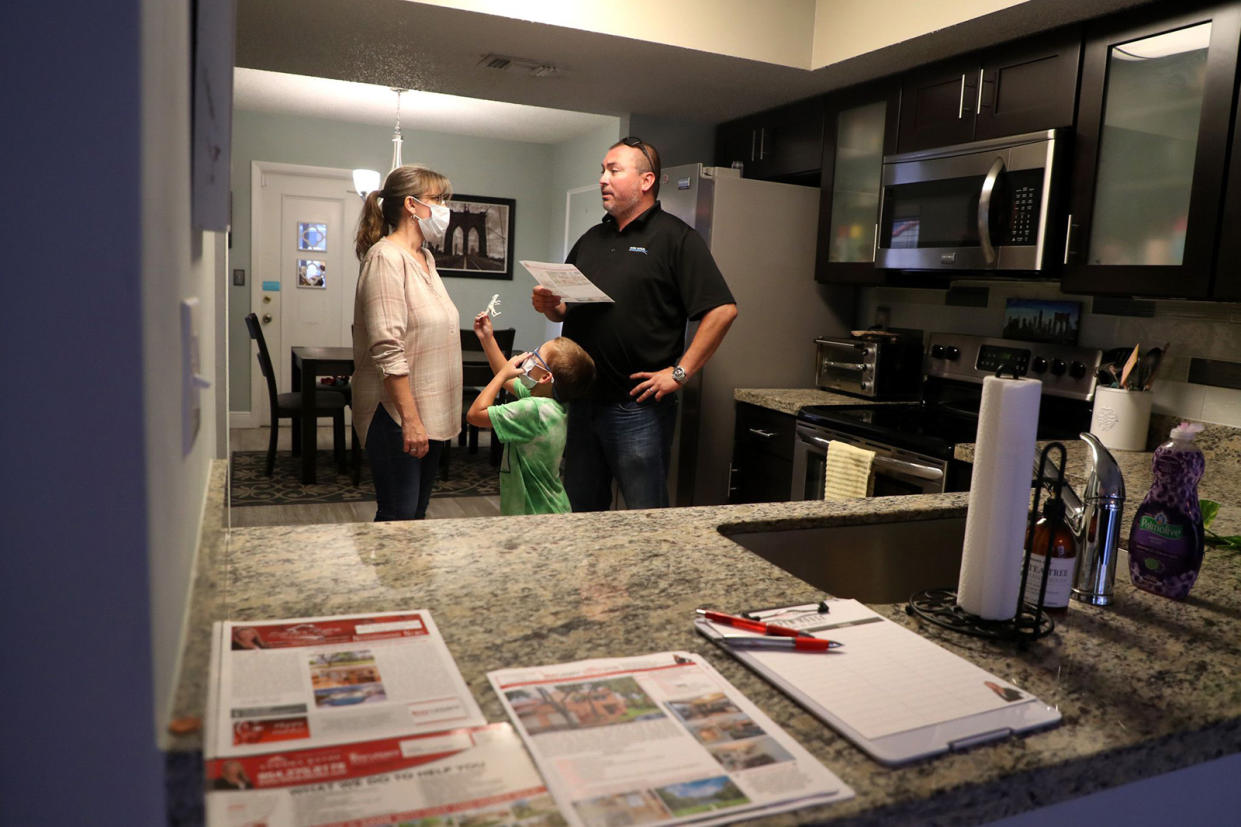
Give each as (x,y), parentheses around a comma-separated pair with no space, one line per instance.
(533,430)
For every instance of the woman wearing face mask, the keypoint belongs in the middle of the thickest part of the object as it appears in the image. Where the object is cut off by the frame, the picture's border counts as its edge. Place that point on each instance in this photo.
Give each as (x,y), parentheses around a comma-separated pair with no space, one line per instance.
(406,341)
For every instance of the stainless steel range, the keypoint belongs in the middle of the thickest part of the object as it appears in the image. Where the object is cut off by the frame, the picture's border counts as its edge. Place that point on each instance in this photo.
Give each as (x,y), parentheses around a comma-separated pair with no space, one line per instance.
(914,442)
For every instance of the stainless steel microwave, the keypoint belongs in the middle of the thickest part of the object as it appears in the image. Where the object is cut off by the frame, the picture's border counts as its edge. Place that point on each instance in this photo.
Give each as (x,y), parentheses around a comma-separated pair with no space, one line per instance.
(985,205)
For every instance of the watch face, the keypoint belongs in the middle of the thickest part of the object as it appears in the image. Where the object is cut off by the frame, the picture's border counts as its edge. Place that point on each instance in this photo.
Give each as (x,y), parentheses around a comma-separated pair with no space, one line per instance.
(678,373)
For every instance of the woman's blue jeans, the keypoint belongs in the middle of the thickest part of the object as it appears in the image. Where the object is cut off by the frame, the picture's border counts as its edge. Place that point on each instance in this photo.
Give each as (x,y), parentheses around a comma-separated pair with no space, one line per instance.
(402,482)
(630,442)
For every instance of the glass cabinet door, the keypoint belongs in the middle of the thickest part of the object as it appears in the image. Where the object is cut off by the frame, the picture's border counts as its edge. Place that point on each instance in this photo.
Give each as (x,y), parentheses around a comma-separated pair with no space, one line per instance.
(1147,182)
(859,128)
(1147,149)
(858,170)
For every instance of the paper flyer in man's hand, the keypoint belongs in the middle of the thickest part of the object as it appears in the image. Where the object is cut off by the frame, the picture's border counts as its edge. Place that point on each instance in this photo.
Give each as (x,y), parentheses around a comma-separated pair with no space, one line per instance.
(566,281)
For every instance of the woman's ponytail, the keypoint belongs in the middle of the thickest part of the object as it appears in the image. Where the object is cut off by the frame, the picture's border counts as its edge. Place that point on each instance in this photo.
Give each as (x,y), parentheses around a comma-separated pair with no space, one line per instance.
(371,225)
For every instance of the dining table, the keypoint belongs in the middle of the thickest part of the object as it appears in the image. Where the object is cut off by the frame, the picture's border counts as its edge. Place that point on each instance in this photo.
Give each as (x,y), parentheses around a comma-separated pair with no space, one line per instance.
(309,363)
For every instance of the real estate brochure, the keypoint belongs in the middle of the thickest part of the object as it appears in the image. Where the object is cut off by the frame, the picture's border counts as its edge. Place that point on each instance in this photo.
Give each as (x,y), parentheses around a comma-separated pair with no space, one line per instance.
(468,776)
(566,281)
(321,681)
(657,739)
(351,720)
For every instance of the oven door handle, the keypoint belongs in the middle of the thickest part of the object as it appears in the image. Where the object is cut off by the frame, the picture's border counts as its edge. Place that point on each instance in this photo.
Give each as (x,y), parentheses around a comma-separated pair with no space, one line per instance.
(912,469)
(857,367)
(984,210)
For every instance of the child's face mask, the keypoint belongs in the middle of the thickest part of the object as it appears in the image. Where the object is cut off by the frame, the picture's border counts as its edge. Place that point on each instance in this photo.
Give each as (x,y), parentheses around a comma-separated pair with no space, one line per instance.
(534,362)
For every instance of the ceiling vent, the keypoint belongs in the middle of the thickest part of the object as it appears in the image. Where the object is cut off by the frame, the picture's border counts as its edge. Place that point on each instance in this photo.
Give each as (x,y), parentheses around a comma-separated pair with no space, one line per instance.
(503,63)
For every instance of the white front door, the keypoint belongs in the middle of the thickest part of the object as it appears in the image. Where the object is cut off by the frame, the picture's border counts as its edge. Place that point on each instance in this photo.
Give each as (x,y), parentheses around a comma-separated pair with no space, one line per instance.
(305,270)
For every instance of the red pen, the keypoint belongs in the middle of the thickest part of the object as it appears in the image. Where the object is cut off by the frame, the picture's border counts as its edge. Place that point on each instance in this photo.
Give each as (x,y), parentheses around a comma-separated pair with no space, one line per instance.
(757,626)
(805,644)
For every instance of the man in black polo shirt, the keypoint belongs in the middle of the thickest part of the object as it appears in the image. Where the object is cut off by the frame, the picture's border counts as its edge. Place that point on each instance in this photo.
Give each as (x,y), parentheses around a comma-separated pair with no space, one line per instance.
(660,274)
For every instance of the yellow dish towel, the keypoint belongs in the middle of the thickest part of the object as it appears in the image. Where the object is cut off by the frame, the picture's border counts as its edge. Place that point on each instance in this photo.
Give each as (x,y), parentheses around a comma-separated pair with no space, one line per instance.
(847,471)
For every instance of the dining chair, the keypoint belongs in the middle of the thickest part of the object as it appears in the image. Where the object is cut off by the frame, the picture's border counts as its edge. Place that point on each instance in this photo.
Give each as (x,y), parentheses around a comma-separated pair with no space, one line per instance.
(289,405)
(475,376)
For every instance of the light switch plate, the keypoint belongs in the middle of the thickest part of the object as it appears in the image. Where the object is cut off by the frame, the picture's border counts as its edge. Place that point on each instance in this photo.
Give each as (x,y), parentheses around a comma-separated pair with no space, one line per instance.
(192,380)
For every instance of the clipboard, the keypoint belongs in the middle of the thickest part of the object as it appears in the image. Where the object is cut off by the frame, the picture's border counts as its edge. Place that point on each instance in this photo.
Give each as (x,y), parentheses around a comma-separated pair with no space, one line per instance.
(896,695)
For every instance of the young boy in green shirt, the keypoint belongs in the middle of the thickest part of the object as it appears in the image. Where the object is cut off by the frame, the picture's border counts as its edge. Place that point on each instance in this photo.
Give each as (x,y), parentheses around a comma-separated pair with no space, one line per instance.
(533,427)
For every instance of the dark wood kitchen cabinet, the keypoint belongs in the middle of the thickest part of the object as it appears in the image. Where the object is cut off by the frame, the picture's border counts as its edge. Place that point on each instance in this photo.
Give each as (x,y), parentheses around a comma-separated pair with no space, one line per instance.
(859,128)
(1151,155)
(1025,86)
(781,144)
(762,466)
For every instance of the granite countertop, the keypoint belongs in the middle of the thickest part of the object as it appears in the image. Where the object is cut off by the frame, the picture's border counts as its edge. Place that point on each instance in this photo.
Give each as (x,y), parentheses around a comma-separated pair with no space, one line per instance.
(791,400)
(1145,686)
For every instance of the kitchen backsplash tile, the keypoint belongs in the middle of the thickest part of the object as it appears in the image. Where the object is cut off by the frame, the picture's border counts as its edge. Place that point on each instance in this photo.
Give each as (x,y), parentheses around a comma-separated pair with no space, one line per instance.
(1203,330)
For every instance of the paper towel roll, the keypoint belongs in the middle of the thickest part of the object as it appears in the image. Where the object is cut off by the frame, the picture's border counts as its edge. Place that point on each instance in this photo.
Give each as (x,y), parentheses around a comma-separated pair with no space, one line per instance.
(999,501)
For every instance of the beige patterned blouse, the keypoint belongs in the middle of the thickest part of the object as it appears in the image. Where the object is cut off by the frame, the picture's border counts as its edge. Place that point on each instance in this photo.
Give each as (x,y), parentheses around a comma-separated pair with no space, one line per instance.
(404,323)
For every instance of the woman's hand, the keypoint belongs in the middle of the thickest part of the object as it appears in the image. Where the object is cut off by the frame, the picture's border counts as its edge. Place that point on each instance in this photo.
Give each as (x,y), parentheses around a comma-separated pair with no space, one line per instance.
(482,327)
(415,441)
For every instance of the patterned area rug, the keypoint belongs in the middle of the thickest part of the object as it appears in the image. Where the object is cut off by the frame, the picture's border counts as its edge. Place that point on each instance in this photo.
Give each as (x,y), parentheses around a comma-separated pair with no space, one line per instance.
(468,475)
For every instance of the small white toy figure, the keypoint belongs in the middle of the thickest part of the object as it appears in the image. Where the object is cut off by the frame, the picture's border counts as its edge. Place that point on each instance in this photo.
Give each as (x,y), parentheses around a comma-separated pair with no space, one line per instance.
(492,305)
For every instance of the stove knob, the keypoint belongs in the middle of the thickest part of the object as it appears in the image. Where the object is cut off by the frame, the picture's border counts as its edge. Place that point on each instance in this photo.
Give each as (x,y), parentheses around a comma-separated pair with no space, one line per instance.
(937,351)
(1057,367)
(952,353)
(1038,364)
(1077,370)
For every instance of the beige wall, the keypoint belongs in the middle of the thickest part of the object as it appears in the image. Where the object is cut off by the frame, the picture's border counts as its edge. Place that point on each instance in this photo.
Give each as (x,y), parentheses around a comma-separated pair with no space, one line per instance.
(178,262)
(848,28)
(773,31)
(808,34)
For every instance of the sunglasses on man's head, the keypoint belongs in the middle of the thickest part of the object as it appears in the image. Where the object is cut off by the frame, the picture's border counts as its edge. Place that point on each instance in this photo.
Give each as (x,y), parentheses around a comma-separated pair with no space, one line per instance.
(637,144)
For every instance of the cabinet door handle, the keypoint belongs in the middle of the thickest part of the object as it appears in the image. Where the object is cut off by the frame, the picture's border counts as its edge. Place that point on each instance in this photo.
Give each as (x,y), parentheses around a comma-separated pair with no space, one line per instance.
(961,102)
(762,143)
(978,107)
(761,432)
(1068,235)
(874,247)
(753,141)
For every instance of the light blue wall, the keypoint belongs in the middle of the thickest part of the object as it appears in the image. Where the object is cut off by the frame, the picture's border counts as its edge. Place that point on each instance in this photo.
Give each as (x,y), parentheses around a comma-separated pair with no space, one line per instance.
(575,163)
(476,166)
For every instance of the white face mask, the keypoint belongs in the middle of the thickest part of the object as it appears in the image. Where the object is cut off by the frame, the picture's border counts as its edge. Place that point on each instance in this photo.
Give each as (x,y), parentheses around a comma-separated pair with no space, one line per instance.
(433,228)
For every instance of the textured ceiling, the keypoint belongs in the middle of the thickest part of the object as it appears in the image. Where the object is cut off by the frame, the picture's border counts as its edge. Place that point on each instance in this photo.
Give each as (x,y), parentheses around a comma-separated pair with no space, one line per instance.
(437,49)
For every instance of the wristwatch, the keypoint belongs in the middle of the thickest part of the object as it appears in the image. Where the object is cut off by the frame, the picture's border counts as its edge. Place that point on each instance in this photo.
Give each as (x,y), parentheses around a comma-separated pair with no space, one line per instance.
(678,373)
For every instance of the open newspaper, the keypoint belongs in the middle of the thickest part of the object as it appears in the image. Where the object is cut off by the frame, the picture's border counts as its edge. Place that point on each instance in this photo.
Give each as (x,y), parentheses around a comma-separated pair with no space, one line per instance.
(658,739)
(346,719)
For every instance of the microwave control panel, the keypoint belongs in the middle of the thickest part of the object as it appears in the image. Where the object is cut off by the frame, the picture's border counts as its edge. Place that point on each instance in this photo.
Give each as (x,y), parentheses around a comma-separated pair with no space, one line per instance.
(1026,194)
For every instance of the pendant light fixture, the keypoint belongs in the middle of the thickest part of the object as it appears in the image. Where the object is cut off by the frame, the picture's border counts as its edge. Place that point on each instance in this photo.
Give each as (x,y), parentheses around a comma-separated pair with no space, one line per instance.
(396,131)
(366,180)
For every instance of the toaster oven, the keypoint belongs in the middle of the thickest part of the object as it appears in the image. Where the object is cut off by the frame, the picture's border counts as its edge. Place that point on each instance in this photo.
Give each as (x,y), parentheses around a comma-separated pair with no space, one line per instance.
(879,367)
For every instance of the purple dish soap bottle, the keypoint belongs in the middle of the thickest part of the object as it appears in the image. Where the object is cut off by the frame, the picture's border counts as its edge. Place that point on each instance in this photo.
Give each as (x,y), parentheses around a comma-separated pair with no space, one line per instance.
(1166,541)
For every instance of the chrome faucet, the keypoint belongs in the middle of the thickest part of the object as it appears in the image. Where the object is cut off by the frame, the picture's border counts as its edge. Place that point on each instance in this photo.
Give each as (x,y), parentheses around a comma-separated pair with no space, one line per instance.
(1094,518)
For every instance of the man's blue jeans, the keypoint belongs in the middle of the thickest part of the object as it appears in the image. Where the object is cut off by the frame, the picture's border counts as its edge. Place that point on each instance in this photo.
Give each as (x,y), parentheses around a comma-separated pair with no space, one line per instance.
(630,442)
(402,482)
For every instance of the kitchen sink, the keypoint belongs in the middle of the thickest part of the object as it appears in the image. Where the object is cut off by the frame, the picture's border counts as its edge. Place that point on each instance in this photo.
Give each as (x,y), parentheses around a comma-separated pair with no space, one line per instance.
(873,563)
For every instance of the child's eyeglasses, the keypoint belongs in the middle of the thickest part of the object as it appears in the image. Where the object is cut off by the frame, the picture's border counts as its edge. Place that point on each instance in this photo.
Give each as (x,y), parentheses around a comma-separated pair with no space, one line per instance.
(534,360)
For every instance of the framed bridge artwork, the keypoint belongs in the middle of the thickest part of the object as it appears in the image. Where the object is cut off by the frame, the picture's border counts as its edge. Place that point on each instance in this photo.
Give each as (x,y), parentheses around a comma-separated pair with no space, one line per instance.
(478,243)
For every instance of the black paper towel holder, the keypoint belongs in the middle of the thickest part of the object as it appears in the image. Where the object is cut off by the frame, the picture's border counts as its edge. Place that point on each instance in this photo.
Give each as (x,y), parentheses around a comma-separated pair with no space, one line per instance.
(1031,622)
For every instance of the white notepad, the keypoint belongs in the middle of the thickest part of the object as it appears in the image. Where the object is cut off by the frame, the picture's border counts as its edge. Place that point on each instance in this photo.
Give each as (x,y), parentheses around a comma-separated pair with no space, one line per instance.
(894,693)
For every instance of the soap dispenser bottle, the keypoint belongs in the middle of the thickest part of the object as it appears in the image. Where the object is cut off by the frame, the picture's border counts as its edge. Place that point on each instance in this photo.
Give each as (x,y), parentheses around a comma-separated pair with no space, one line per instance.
(1166,539)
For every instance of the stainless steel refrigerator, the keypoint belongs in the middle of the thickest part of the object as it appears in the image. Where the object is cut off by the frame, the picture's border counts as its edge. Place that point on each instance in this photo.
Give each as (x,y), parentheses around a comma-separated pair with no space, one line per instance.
(763,236)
